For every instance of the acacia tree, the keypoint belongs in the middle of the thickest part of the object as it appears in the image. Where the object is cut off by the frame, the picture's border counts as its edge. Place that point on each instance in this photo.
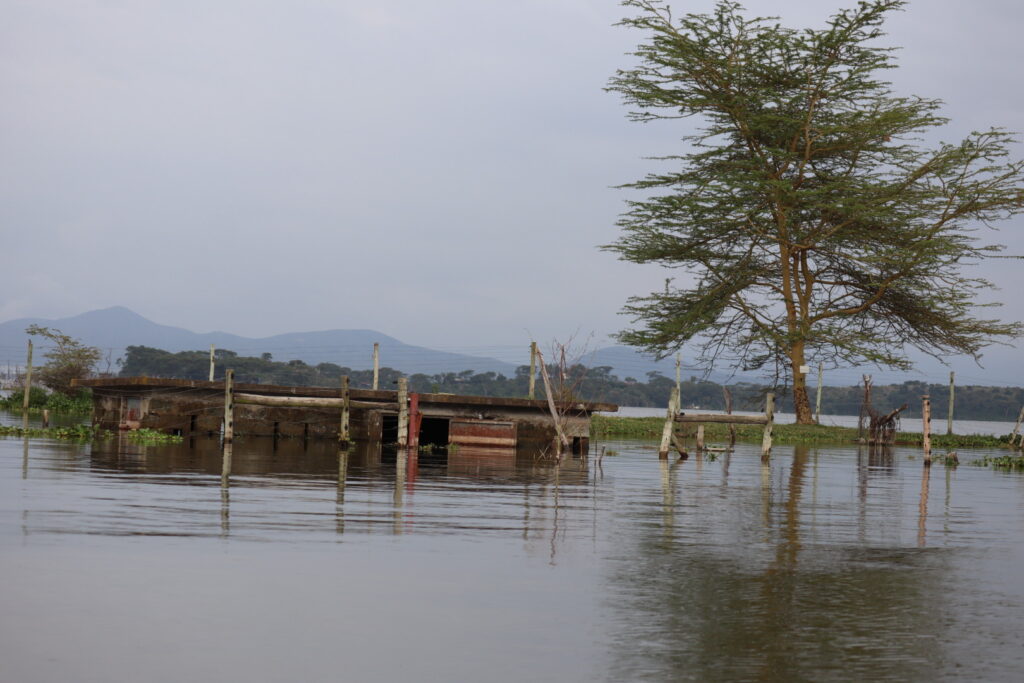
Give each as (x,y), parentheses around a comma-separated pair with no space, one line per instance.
(809,217)
(66,360)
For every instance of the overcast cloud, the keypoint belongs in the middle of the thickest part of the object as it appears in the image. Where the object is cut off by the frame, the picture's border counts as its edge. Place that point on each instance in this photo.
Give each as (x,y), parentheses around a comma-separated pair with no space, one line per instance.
(440,171)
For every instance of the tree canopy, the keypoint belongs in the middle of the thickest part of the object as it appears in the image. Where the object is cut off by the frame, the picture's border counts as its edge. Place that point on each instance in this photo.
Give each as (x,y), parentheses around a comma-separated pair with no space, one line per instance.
(67,359)
(809,218)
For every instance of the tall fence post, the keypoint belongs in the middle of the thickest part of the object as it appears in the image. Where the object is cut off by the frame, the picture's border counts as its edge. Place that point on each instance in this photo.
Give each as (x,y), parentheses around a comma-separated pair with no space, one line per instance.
(769,414)
(952,390)
(403,412)
(533,370)
(376,366)
(346,405)
(229,406)
(211,361)
(926,417)
(28,380)
(817,403)
(670,424)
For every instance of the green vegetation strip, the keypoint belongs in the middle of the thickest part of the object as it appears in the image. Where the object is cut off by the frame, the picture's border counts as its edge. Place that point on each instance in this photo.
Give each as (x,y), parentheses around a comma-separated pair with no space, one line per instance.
(146,437)
(605,427)
(1013,463)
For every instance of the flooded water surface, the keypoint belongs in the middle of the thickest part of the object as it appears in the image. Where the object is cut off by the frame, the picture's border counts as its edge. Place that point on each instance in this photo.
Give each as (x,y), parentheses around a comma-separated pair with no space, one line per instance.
(122,562)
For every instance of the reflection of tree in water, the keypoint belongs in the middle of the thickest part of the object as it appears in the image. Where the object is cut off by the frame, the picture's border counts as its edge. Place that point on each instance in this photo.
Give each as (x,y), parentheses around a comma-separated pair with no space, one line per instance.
(768,605)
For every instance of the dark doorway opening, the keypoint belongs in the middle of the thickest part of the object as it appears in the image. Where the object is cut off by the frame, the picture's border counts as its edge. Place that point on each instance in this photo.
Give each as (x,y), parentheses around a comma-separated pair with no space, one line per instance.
(434,431)
(389,429)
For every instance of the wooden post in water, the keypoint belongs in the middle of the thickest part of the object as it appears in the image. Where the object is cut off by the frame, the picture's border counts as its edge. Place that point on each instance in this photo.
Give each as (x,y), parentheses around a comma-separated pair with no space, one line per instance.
(1016,428)
(28,380)
(766,439)
(376,366)
(229,406)
(533,369)
(403,412)
(346,407)
(229,426)
(211,361)
(817,403)
(700,438)
(728,411)
(415,420)
(926,431)
(952,389)
(670,424)
(46,418)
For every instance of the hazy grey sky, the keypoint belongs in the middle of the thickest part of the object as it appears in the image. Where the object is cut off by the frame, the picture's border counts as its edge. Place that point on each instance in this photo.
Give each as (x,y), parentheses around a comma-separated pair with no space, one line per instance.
(439,170)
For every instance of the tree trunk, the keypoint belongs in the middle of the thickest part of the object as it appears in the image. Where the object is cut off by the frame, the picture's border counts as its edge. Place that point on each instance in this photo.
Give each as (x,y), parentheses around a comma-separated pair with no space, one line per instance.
(801,401)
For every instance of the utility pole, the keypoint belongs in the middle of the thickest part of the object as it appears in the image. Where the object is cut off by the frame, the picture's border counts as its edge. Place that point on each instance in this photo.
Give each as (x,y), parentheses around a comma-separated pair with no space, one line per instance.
(211,362)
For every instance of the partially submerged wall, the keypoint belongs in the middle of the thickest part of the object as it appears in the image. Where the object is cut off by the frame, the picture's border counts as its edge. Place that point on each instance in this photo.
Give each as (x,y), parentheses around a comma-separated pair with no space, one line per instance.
(197,408)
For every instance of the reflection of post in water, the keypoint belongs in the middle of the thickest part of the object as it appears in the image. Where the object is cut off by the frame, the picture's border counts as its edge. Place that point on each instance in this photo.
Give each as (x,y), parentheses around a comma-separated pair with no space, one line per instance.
(225,468)
(766,494)
(922,508)
(342,477)
(668,494)
(554,524)
(24,456)
(225,511)
(790,548)
(862,494)
(401,462)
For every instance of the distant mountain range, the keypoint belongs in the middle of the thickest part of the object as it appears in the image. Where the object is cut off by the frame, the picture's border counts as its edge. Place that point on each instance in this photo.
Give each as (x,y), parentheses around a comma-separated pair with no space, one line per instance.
(113,329)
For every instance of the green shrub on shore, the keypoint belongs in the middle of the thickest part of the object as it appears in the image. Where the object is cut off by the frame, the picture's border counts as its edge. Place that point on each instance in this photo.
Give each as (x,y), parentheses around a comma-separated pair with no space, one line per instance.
(57,403)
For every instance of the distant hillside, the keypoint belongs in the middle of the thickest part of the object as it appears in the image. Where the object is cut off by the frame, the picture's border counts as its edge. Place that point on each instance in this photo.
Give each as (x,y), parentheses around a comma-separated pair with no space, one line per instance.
(114,329)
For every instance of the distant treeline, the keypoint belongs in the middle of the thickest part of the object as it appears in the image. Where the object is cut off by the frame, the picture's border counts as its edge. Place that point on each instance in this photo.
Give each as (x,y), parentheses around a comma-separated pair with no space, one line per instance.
(592,384)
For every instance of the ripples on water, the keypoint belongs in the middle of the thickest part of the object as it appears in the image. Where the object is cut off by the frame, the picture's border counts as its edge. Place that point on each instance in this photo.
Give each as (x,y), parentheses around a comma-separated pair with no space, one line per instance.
(123,562)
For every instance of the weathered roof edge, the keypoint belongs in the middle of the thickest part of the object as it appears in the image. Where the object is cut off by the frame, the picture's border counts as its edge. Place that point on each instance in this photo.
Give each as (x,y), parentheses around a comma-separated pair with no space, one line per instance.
(327,392)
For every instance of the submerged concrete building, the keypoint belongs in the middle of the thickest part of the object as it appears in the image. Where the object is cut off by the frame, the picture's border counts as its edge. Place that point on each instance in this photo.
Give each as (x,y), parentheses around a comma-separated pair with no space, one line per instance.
(194,407)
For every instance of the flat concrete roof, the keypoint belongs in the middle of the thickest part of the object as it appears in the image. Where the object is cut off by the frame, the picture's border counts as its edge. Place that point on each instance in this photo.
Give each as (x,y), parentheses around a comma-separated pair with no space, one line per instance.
(328,392)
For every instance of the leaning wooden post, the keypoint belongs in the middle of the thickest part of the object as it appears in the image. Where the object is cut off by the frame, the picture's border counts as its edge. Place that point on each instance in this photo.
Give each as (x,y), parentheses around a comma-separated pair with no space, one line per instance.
(952,390)
(403,412)
(211,362)
(533,369)
(1016,428)
(926,417)
(670,424)
(561,440)
(376,366)
(28,380)
(817,403)
(679,376)
(346,406)
(769,415)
